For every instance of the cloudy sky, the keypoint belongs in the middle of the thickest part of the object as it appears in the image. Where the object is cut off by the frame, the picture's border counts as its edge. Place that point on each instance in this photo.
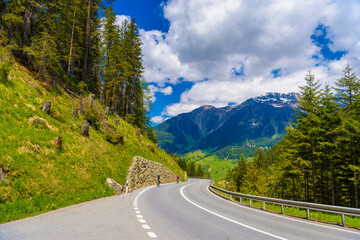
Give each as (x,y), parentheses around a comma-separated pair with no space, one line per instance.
(222,52)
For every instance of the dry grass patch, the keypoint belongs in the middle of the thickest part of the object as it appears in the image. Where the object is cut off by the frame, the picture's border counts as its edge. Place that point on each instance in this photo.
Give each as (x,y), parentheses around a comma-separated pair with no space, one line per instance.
(28,147)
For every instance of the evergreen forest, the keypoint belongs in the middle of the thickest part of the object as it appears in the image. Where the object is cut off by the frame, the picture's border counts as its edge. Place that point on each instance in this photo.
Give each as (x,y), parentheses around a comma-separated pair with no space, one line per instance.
(76,45)
(318,158)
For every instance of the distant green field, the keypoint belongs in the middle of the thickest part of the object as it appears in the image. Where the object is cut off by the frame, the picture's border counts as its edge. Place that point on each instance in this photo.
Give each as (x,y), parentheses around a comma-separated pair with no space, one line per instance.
(213,164)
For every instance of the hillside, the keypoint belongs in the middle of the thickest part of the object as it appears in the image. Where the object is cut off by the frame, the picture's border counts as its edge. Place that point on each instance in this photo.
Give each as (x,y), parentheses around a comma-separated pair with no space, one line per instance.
(39,176)
(256,122)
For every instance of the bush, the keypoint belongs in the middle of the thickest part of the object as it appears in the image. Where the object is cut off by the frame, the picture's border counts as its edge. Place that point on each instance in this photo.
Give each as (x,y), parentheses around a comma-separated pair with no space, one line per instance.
(92,118)
(115,137)
(5,70)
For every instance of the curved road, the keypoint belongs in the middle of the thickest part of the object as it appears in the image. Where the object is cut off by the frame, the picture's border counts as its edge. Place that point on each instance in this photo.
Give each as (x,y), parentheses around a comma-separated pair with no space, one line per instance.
(172,211)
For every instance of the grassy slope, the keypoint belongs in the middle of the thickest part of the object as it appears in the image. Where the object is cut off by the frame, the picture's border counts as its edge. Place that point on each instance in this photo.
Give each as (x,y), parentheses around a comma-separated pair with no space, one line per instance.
(211,163)
(40,176)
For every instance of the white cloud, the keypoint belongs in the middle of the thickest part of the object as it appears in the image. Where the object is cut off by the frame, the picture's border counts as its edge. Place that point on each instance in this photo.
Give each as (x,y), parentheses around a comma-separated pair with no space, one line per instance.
(166,91)
(121,18)
(177,108)
(209,39)
(157,119)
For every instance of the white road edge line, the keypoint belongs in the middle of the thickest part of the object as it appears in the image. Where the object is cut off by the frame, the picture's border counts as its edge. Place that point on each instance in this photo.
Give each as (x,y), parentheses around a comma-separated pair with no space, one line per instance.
(223,217)
(318,224)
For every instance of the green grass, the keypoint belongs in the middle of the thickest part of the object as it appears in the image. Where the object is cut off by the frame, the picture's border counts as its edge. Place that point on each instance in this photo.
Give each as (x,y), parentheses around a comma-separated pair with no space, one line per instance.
(350,221)
(214,165)
(42,177)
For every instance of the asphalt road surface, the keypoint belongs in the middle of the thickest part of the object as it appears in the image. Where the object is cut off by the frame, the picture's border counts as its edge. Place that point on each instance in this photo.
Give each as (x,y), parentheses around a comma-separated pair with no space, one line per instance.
(171,211)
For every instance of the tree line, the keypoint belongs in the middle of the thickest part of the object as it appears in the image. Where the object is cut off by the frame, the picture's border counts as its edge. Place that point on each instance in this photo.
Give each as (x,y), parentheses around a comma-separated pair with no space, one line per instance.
(76,44)
(192,169)
(318,158)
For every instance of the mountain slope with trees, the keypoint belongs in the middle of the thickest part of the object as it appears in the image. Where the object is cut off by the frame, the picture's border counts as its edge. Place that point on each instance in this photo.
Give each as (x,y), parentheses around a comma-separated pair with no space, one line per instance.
(318,158)
(77,45)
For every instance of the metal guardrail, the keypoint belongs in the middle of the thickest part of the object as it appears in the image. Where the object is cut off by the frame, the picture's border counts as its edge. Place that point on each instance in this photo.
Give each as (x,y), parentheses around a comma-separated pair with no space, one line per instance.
(282,202)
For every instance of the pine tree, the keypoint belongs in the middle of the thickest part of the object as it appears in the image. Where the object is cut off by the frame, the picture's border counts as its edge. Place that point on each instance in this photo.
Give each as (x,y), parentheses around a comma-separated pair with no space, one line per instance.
(199,171)
(330,128)
(192,169)
(236,176)
(44,50)
(307,123)
(348,89)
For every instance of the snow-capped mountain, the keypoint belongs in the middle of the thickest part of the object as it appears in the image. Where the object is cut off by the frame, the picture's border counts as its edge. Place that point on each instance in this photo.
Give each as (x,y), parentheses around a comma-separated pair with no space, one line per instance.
(260,120)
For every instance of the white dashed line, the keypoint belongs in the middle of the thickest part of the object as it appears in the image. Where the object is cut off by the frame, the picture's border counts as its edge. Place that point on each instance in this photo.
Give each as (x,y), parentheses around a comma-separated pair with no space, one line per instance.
(152,235)
(146,226)
(140,217)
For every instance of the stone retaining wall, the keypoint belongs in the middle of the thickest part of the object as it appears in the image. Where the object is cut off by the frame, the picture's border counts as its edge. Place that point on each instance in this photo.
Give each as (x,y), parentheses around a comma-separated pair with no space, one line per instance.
(143,172)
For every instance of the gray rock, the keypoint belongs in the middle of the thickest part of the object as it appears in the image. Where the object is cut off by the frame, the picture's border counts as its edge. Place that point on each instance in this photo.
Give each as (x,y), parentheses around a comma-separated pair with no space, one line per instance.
(115,185)
(85,129)
(107,111)
(2,174)
(82,107)
(91,99)
(46,107)
(75,112)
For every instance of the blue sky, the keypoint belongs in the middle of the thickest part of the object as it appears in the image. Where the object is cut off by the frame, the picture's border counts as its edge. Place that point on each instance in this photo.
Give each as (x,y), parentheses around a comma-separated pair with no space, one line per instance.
(222,52)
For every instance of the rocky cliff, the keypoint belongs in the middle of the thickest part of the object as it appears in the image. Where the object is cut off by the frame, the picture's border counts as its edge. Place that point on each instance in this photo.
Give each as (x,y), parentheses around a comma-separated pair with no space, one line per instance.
(143,172)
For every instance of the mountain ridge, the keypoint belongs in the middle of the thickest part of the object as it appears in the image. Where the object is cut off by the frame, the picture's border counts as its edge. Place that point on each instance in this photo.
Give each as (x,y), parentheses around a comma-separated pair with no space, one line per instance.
(210,127)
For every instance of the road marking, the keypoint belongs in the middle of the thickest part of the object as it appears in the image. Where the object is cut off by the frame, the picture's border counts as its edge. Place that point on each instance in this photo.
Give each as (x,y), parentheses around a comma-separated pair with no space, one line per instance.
(140,217)
(152,235)
(318,224)
(226,218)
(145,226)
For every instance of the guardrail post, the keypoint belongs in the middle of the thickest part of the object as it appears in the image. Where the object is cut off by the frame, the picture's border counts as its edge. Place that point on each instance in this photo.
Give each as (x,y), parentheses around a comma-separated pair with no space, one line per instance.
(250,203)
(343,220)
(231,198)
(282,209)
(240,199)
(264,205)
(307,213)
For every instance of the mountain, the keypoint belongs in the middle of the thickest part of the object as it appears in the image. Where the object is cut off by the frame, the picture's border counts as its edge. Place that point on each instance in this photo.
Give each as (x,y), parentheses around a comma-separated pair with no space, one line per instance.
(259,121)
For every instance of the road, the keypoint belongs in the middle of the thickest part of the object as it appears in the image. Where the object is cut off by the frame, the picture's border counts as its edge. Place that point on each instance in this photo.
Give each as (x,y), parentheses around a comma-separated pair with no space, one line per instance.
(172,211)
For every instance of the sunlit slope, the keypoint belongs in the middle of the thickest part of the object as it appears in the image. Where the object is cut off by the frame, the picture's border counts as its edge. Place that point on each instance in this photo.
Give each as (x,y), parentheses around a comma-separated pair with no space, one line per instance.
(39,176)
